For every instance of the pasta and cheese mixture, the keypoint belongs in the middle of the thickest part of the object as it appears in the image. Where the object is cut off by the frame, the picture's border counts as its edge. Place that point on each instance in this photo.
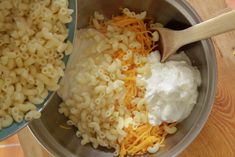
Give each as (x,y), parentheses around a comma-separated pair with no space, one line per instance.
(32,44)
(103,95)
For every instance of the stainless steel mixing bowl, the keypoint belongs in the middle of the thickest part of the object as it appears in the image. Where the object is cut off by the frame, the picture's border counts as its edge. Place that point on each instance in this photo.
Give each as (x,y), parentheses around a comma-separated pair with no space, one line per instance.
(175,14)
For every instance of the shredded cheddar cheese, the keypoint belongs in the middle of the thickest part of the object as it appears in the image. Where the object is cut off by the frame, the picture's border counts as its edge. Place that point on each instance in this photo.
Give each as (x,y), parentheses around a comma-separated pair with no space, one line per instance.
(65,127)
(147,45)
(139,27)
(137,140)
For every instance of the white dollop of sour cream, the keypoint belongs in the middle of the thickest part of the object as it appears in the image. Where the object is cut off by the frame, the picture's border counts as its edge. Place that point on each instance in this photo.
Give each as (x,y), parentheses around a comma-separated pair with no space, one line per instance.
(171,91)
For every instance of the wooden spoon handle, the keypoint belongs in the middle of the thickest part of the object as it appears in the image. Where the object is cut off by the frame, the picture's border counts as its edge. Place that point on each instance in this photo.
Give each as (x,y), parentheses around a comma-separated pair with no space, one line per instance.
(209,28)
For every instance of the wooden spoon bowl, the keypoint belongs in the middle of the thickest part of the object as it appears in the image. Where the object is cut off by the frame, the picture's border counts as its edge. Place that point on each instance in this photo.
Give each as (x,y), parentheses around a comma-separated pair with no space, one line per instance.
(171,40)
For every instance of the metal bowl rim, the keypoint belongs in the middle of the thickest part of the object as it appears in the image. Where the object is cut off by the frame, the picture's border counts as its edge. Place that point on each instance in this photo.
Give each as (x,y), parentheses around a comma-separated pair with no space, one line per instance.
(200,122)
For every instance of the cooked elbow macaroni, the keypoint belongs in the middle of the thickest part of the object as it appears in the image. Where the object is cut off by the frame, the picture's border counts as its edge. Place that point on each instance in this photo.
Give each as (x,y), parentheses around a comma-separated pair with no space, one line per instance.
(97,86)
(32,44)
(104,93)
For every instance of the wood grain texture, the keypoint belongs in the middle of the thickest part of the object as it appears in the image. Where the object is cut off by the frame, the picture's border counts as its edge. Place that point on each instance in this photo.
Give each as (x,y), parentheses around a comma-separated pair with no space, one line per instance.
(30,145)
(217,139)
(11,147)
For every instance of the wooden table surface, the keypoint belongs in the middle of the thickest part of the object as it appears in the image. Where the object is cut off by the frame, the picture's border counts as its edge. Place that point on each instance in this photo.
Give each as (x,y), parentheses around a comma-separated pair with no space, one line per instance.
(217,139)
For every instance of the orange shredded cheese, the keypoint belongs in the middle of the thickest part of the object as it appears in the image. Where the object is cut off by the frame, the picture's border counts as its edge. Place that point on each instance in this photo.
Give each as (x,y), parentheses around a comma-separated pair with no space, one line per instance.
(65,127)
(143,36)
(139,27)
(139,139)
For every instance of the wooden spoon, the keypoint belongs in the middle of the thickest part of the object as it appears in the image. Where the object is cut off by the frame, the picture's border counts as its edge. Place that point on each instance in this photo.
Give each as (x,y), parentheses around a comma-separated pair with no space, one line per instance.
(171,41)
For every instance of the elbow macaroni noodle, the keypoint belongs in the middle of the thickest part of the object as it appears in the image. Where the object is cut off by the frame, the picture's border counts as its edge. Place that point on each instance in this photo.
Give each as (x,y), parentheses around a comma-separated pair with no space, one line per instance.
(103,94)
(32,44)
(96,98)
